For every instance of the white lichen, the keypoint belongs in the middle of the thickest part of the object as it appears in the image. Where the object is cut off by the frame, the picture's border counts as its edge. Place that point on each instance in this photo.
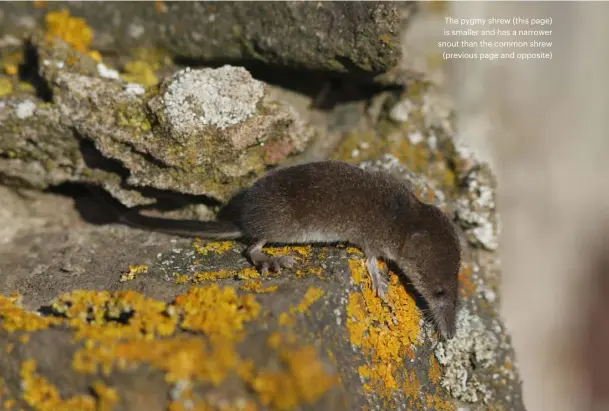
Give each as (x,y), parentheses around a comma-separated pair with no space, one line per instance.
(106,72)
(338,314)
(136,30)
(219,97)
(476,210)
(473,347)
(437,109)
(415,137)
(25,109)
(400,112)
(134,88)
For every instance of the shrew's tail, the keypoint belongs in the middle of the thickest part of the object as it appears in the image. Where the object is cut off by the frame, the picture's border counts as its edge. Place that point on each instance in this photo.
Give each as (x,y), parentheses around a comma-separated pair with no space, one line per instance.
(216,230)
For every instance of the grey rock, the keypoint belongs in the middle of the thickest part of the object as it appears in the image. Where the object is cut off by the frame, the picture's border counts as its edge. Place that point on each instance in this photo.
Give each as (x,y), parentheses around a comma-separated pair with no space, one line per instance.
(204,132)
(476,369)
(346,37)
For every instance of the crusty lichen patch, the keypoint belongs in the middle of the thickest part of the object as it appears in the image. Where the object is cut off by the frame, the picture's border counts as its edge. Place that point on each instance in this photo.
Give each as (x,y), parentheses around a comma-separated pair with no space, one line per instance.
(41,395)
(311,296)
(300,251)
(121,330)
(99,315)
(474,346)
(304,380)
(216,311)
(257,286)
(134,271)
(72,30)
(6,86)
(387,334)
(15,318)
(467,287)
(247,273)
(140,72)
(216,247)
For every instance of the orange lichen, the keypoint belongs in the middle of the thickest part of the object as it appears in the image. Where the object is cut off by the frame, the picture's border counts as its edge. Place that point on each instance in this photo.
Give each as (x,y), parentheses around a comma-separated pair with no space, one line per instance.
(277,340)
(313,294)
(434,402)
(467,287)
(384,332)
(179,357)
(216,311)
(10,68)
(188,402)
(302,251)
(306,380)
(316,271)
(256,286)
(411,387)
(216,247)
(212,276)
(100,315)
(72,30)
(41,395)
(121,330)
(133,272)
(95,55)
(110,343)
(244,274)
(180,278)
(141,72)
(354,251)
(435,371)
(357,269)
(107,397)
(15,318)
(160,6)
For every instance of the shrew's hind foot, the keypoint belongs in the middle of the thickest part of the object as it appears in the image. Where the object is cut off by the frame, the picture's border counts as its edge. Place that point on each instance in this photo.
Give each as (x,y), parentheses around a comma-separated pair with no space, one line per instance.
(379,283)
(276,263)
(265,262)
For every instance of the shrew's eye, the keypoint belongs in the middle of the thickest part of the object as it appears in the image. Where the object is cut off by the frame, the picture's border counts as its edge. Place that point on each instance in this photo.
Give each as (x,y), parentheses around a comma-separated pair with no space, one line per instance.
(439,292)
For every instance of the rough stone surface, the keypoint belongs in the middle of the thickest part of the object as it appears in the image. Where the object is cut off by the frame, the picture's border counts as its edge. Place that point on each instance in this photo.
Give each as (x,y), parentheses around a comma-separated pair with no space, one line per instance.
(219,97)
(323,309)
(115,318)
(206,132)
(346,37)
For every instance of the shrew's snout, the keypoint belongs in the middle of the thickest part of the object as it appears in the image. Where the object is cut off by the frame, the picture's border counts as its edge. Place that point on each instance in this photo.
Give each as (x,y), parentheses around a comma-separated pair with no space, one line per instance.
(444,315)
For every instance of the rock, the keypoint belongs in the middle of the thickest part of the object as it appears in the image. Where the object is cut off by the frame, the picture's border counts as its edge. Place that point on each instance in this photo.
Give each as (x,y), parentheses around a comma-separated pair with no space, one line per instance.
(340,37)
(115,318)
(314,337)
(204,132)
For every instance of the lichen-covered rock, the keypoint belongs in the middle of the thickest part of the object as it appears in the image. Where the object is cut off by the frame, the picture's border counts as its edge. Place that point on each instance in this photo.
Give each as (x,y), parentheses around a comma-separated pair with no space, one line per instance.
(115,318)
(213,332)
(347,37)
(214,115)
(204,132)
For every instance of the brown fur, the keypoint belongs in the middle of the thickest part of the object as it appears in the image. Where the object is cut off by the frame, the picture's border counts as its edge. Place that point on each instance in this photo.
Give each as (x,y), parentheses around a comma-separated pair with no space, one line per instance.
(332,201)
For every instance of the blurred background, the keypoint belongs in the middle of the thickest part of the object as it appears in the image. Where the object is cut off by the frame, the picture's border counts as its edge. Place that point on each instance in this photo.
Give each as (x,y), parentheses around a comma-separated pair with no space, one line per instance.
(543,125)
